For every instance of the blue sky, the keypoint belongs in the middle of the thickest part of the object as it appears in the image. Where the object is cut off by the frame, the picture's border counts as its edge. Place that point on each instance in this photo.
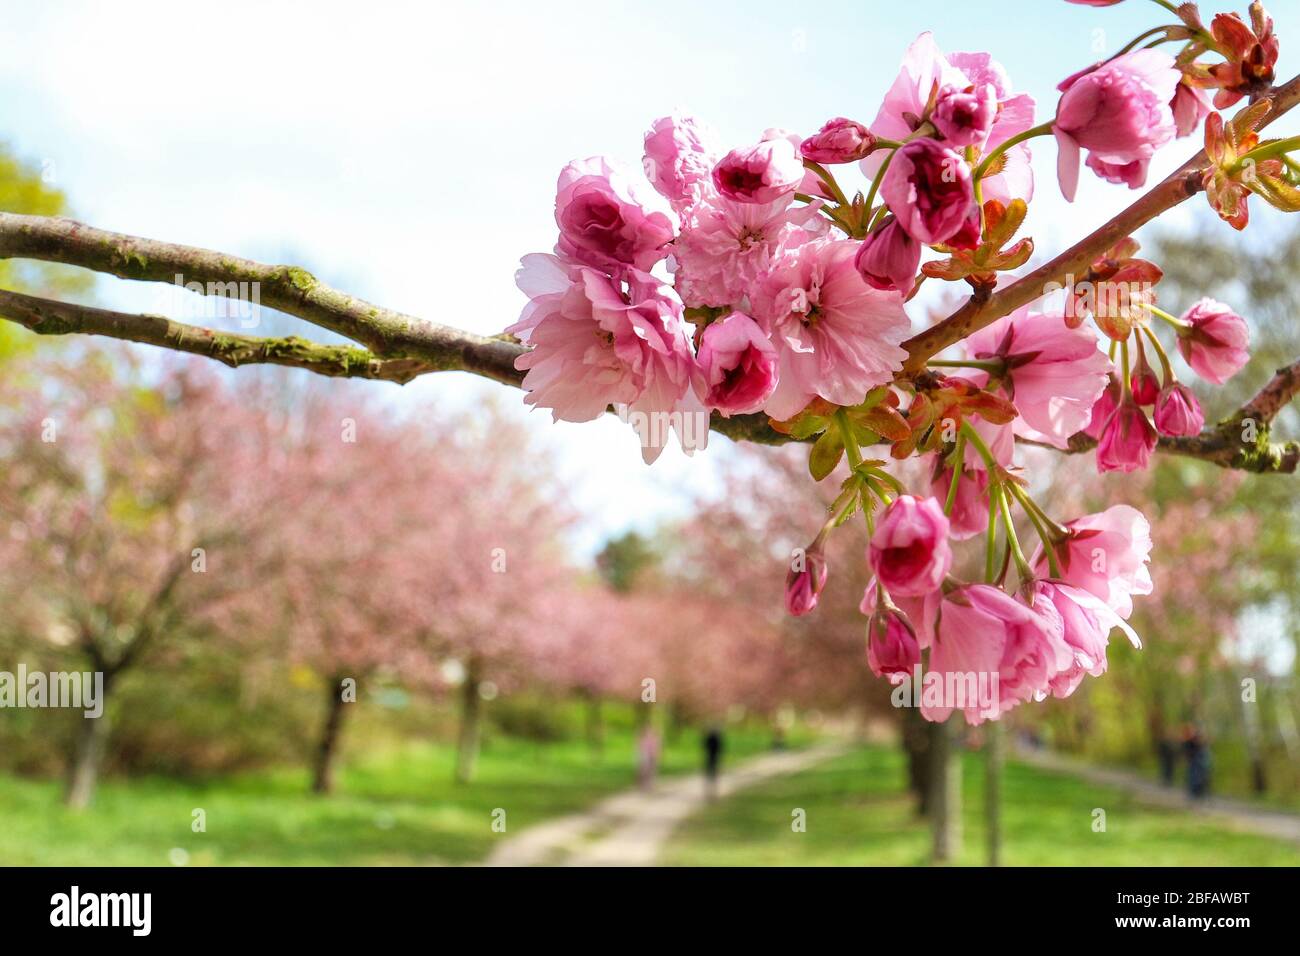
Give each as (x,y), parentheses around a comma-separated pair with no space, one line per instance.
(408,152)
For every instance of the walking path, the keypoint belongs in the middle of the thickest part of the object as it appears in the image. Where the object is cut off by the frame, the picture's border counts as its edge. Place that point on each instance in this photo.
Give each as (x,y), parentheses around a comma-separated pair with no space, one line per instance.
(1237,813)
(630,829)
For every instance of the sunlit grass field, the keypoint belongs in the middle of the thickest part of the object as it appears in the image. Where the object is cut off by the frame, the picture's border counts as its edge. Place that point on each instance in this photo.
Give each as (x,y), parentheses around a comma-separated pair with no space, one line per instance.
(858,815)
(397,806)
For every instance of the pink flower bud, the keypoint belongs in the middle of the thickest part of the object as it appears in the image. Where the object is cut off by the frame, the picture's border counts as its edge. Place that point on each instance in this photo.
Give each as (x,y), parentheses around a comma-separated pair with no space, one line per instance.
(1127,439)
(964,117)
(1215,344)
(737,366)
(1143,382)
(889,258)
(759,174)
(892,648)
(804,581)
(909,551)
(1178,412)
(928,189)
(839,141)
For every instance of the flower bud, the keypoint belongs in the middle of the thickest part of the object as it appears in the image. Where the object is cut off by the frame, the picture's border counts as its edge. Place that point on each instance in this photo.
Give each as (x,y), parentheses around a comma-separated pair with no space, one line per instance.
(1214,341)
(1178,412)
(839,141)
(805,580)
(888,258)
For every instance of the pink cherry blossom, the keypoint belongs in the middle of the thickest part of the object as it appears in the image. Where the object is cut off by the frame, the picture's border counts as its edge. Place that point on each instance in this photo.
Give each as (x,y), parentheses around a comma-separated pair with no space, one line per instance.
(725,247)
(602,222)
(680,154)
(1053,374)
(839,140)
(926,68)
(1133,175)
(929,190)
(1086,625)
(1033,654)
(737,365)
(909,550)
(596,344)
(1105,554)
(888,258)
(1104,407)
(763,173)
(1215,343)
(964,116)
(976,623)
(1178,412)
(1190,105)
(838,338)
(1120,112)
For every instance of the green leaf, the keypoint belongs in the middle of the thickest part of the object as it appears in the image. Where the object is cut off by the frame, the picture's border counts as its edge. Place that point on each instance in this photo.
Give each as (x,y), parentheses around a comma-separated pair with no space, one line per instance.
(825,454)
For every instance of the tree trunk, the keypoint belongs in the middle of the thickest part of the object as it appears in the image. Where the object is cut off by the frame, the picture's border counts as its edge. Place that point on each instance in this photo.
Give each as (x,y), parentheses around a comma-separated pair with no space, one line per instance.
(917,736)
(595,725)
(87,755)
(993,791)
(327,750)
(945,792)
(468,739)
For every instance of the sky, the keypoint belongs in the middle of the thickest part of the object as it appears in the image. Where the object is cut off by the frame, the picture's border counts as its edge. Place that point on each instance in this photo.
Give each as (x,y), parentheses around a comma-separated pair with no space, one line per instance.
(408,152)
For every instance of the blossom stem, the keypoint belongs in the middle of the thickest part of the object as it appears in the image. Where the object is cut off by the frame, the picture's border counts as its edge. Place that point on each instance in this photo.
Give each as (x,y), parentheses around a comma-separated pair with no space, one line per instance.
(991,538)
(1043,129)
(992,366)
(875,182)
(1172,320)
(974,437)
(850,440)
(1036,518)
(1123,371)
(959,456)
(1168,6)
(1140,37)
(1161,354)
(1022,565)
(825,176)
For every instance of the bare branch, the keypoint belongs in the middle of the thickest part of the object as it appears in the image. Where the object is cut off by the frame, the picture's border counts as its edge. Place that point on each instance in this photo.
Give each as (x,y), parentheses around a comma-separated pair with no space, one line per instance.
(47,317)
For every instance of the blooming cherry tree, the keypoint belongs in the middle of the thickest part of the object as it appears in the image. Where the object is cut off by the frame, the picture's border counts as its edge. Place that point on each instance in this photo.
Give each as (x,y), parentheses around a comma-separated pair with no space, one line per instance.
(759,292)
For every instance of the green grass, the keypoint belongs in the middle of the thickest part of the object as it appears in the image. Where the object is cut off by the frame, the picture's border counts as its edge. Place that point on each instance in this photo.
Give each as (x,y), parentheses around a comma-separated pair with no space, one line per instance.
(858,815)
(397,805)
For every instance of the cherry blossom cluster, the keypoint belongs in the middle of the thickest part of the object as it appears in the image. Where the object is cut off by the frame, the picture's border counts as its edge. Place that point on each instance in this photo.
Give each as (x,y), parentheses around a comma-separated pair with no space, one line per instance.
(749,281)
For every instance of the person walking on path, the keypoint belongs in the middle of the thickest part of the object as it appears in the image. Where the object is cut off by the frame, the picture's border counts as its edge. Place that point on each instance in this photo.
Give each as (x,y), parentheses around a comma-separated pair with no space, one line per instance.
(647,767)
(712,760)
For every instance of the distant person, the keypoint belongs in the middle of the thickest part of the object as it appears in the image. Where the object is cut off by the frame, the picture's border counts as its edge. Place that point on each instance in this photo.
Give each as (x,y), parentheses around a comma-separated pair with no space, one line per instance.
(1198,763)
(712,760)
(1167,755)
(647,765)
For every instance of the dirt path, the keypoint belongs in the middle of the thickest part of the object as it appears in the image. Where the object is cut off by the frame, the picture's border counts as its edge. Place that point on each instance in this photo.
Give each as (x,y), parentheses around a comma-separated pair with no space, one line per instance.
(630,829)
(1237,813)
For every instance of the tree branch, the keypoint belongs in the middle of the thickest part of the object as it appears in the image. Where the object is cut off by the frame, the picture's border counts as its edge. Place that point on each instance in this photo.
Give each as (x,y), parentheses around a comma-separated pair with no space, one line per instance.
(399,347)
(46,317)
